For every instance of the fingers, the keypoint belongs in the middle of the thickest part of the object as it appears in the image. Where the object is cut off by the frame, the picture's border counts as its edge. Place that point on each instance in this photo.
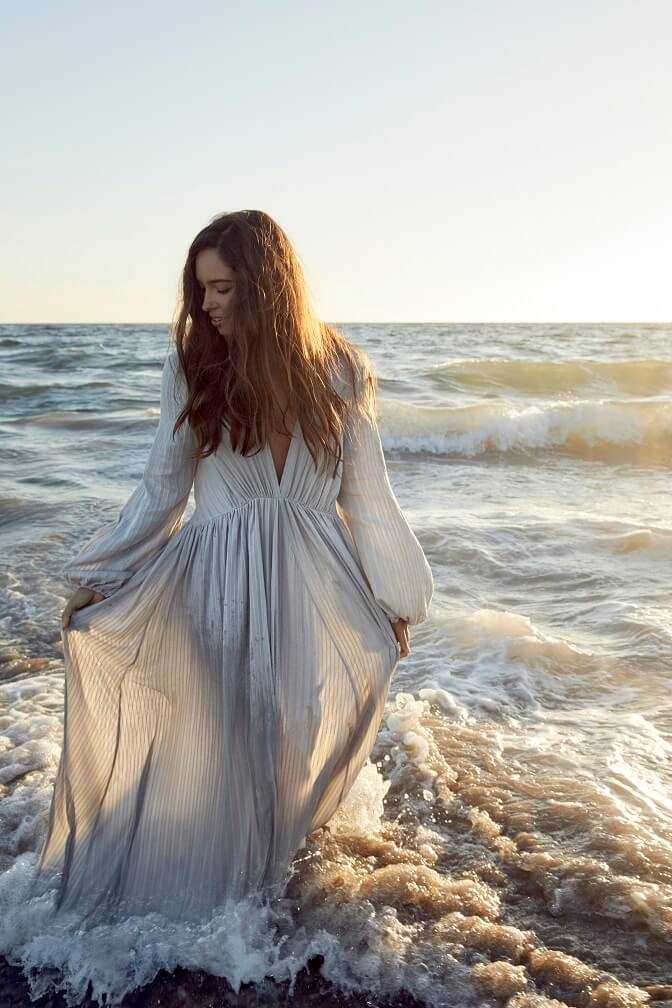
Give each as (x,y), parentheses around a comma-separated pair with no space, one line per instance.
(400,628)
(405,642)
(81,598)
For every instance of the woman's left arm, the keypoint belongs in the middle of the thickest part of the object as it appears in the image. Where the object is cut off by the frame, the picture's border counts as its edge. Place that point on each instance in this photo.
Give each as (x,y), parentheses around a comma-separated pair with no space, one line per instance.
(154,511)
(392,558)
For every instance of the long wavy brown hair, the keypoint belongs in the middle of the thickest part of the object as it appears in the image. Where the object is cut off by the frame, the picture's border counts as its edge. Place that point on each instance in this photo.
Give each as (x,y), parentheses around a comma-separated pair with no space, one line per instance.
(275,335)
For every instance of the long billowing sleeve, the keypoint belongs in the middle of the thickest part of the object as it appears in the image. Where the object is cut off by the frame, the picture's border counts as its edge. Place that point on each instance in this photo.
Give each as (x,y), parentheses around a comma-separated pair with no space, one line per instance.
(154,511)
(391,556)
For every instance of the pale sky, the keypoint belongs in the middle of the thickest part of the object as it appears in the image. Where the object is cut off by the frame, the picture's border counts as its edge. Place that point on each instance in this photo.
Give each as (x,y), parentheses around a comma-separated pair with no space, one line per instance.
(431,162)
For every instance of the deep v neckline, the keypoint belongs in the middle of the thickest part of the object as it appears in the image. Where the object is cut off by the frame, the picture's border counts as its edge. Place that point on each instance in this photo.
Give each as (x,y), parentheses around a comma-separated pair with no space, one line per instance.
(279,482)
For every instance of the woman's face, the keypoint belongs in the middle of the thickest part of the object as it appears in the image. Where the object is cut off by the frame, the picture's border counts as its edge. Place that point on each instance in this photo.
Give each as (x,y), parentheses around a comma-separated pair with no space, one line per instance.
(216,283)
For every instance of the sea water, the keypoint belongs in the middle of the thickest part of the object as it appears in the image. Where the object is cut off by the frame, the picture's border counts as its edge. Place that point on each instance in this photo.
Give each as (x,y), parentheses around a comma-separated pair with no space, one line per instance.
(510,839)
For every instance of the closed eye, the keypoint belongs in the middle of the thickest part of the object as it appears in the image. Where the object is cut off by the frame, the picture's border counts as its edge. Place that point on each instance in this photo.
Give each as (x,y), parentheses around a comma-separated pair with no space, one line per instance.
(218,289)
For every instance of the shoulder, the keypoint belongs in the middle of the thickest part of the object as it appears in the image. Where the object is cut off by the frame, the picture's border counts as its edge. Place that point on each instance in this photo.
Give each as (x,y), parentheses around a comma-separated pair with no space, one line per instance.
(355,373)
(172,366)
(171,362)
(173,380)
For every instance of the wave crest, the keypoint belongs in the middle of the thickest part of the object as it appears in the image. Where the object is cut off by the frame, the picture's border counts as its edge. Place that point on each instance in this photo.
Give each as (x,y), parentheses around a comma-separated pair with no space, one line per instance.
(589,429)
(634,377)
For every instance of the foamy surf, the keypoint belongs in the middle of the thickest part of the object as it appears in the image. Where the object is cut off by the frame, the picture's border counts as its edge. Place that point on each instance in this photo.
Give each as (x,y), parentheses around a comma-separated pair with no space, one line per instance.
(589,429)
(444,875)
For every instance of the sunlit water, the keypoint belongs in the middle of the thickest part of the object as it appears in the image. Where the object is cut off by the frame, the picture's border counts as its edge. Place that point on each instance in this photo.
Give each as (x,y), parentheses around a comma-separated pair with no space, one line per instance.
(512,837)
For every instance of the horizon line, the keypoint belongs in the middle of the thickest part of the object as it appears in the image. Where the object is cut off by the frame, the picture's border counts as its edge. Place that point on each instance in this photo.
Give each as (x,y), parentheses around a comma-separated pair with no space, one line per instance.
(644,322)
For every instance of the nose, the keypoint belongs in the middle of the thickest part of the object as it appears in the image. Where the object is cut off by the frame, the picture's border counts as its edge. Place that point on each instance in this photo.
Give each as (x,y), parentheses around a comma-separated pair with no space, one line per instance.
(207,303)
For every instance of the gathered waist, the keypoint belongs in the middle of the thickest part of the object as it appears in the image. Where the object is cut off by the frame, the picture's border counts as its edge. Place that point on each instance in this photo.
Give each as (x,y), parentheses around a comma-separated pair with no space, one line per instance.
(198,520)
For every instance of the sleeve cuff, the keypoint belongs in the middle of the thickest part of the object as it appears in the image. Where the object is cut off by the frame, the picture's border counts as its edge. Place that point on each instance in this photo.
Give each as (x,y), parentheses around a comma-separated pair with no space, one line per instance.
(104,583)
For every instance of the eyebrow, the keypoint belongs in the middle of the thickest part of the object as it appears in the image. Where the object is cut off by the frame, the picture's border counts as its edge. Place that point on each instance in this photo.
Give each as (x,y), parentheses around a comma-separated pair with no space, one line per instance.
(223,280)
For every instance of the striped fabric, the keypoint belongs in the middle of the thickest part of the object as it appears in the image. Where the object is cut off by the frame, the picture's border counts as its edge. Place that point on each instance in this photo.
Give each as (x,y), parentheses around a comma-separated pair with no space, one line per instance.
(225,693)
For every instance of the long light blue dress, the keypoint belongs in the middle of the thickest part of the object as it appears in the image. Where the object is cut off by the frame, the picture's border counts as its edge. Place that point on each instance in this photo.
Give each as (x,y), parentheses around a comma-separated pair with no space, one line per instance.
(225,693)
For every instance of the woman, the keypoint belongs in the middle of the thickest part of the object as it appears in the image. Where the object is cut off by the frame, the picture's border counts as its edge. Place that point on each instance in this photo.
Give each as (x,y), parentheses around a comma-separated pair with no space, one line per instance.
(226,676)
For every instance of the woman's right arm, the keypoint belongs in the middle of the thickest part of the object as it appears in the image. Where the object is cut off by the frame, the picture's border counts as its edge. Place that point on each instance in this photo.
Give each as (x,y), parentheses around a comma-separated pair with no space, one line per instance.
(154,511)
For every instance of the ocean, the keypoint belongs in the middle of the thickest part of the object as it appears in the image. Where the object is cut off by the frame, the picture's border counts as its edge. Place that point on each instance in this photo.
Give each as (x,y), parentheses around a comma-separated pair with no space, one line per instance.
(510,839)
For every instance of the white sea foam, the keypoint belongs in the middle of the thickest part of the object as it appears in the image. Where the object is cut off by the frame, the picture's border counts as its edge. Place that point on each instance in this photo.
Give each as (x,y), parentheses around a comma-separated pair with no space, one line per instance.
(590,428)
